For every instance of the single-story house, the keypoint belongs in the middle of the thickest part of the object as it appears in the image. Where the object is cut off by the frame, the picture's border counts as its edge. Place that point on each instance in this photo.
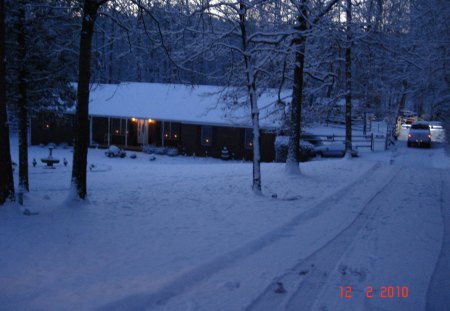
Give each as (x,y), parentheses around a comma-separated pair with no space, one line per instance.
(199,120)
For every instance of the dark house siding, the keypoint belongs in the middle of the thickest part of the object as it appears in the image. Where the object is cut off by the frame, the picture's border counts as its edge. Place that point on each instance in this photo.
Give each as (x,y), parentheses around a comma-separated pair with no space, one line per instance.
(154,133)
(187,140)
(221,137)
(229,137)
(267,146)
(100,131)
(190,140)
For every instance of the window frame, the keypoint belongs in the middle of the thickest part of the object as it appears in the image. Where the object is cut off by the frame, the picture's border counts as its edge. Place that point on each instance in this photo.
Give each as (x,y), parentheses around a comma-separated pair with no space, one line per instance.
(172,131)
(203,129)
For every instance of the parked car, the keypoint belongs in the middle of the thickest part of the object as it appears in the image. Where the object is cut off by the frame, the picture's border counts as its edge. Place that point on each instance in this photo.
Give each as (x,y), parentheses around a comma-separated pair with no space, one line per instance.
(312,139)
(281,148)
(333,150)
(408,117)
(410,120)
(437,131)
(419,135)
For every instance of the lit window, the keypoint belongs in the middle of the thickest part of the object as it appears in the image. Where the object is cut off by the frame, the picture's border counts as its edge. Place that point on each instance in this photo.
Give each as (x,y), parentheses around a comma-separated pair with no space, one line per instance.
(206,135)
(119,126)
(171,131)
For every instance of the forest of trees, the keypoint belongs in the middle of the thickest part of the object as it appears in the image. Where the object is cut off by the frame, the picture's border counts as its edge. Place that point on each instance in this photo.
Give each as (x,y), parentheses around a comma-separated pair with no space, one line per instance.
(376,51)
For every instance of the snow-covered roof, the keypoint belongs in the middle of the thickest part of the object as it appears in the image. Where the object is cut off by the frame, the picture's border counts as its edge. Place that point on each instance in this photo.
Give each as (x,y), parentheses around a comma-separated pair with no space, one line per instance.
(178,103)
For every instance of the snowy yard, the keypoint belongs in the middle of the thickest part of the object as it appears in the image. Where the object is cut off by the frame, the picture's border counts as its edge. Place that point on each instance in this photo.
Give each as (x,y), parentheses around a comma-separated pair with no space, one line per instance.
(187,233)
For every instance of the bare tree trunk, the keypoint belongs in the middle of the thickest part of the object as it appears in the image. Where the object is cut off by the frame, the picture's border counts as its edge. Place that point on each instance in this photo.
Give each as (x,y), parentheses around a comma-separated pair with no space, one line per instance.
(111,54)
(402,103)
(6,176)
(348,81)
(256,186)
(293,156)
(81,135)
(22,102)
(251,87)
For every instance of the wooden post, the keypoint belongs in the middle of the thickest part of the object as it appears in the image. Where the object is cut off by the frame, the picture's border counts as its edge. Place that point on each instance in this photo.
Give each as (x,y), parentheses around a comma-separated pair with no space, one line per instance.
(162,133)
(90,130)
(371,143)
(126,132)
(109,132)
(365,123)
(29,130)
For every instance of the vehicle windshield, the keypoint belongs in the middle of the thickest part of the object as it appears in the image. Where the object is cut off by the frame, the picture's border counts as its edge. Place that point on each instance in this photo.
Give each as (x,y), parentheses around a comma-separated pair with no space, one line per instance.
(420,127)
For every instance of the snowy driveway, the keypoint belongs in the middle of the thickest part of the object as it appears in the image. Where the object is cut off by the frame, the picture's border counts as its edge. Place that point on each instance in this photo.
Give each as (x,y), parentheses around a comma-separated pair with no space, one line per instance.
(187,234)
(382,243)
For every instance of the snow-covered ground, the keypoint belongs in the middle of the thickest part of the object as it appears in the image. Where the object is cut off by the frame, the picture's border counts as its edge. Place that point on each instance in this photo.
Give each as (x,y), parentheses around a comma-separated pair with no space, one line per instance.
(188,234)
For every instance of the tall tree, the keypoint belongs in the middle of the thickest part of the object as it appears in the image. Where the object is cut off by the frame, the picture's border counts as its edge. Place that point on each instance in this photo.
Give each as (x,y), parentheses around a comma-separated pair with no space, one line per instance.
(22,97)
(36,72)
(293,157)
(81,135)
(6,176)
(244,34)
(348,80)
(304,22)
(250,77)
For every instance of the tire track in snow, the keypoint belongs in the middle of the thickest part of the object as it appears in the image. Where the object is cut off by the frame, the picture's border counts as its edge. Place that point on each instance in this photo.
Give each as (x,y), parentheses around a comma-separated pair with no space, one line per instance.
(186,280)
(302,284)
(438,295)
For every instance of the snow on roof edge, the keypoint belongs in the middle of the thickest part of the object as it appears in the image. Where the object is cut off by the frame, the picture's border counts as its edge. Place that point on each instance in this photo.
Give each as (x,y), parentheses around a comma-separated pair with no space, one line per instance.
(200,104)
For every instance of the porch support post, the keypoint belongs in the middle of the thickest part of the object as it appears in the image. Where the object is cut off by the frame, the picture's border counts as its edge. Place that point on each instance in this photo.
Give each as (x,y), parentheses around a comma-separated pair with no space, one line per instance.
(145,138)
(29,129)
(109,132)
(162,133)
(126,132)
(91,119)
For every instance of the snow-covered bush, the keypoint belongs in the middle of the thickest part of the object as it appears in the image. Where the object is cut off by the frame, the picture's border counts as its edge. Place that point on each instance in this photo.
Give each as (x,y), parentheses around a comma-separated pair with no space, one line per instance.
(172,152)
(151,149)
(114,151)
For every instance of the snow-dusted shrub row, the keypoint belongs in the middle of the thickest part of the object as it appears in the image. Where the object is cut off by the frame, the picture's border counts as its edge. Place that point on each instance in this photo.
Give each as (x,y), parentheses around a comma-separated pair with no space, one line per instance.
(151,149)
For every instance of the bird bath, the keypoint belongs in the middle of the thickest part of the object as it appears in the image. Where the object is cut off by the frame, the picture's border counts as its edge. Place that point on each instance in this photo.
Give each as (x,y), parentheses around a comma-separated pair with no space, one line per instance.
(50,160)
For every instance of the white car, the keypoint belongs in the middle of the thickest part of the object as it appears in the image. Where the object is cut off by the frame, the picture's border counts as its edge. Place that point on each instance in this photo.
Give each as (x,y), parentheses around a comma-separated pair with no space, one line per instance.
(419,134)
(333,150)
(437,131)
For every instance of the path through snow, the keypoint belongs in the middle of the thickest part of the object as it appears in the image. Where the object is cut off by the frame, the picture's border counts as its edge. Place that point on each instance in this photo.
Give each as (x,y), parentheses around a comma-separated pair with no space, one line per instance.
(392,238)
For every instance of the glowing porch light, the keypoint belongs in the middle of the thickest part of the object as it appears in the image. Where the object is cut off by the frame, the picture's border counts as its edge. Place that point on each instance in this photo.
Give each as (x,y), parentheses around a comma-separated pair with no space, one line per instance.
(133,119)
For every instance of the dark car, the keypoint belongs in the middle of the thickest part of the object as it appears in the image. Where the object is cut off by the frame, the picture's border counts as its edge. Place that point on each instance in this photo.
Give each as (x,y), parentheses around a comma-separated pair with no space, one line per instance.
(419,135)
